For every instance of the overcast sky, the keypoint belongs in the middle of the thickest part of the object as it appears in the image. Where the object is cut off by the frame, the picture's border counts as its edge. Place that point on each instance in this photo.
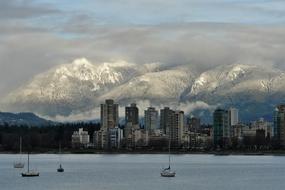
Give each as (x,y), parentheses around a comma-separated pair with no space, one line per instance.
(36,35)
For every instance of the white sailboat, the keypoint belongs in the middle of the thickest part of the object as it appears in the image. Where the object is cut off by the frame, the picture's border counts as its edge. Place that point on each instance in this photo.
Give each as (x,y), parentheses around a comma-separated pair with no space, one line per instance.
(60,169)
(19,164)
(167,172)
(29,173)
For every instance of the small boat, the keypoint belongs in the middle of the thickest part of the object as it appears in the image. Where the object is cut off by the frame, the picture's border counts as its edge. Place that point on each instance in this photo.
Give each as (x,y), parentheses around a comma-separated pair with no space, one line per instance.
(30,173)
(166,172)
(19,164)
(60,169)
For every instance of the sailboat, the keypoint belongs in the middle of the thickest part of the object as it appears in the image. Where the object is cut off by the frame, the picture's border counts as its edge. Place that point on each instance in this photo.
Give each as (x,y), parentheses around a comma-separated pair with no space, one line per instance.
(19,164)
(30,173)
(167,172)
(60,169)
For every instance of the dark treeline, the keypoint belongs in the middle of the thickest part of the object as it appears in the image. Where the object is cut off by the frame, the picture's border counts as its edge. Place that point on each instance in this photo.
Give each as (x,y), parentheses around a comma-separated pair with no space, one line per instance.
(41,138)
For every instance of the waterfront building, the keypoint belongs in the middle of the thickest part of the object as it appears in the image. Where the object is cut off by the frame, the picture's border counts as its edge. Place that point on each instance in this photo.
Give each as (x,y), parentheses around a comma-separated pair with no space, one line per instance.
(109,134)
(237,131)
(151,120)
(194,123)
(224,122)
(177,130)
(279,124)
(221,126)
(109,114)
(132,114)
(275,118)
(166,119)
(248,131)
(233,116)
(141,138)
(100,139)
(115,137)
(131,120)
(172,125)
(80,137)
(261,124)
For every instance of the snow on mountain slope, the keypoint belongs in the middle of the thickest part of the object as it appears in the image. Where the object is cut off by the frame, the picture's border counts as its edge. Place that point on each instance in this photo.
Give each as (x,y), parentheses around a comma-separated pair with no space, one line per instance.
(161,86)
(70,87)
(80,86)
(255,90)
(235,78)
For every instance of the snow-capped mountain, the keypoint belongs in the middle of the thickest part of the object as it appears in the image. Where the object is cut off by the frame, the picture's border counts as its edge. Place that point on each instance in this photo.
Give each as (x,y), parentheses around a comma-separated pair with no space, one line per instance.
(238,78)
(70,87)
(81,86)
(253,89)
(160,87)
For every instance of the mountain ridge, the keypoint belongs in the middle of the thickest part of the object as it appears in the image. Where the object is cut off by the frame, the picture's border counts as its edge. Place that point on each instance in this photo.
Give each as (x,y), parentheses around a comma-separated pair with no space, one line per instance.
(81,86)
(23,118)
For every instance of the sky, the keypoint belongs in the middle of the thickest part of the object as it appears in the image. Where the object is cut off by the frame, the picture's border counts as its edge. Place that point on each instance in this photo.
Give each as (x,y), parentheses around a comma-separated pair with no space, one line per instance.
(36,35)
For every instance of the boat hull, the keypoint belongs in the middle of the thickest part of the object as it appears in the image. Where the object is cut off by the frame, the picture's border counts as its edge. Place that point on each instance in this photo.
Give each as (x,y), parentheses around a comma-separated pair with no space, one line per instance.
(31,174)
(19,165)
(167,174)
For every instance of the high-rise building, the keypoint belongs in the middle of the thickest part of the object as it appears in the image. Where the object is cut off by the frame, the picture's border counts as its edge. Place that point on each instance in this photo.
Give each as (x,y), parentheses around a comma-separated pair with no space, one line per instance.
(233,116)
(221,126)
(151,119)
(109,114)
(275,120)
(177,129)
(172,125)
(166,119)
(279,124)
(224,121)
(131,124)
(193,123)
(109,121)
(132,114)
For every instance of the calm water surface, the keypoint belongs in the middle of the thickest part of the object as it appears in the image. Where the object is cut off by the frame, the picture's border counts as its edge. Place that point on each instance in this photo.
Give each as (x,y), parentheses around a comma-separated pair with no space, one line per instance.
(142,172)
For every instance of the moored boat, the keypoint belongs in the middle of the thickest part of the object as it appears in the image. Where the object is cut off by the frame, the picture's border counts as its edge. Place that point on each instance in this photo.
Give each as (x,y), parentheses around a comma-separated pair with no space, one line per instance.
(30,173)
(19,164)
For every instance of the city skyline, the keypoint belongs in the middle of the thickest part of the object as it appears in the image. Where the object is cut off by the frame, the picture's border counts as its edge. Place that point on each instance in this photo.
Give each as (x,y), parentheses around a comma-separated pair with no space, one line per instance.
(142,94)
(184,132)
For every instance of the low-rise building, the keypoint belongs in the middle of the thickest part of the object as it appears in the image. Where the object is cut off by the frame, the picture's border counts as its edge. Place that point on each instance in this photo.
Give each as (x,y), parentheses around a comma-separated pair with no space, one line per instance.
(80,138)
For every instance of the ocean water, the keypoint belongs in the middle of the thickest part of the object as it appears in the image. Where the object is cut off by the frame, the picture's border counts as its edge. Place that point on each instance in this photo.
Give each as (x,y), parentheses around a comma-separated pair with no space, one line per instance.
(142,172)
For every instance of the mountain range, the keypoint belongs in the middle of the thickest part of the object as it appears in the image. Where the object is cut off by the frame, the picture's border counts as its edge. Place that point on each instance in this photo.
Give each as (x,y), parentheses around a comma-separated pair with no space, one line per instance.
(79,87)
(28,119)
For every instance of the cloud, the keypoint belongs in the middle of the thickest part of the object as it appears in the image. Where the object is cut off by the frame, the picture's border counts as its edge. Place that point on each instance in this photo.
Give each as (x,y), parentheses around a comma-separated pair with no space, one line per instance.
(36,35)
(203,45)
(189,107)
(153,12)
(23,9)
(94,114)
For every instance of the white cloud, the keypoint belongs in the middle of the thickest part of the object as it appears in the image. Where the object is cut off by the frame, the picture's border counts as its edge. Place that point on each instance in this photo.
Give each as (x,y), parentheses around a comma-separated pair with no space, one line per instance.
(189,107)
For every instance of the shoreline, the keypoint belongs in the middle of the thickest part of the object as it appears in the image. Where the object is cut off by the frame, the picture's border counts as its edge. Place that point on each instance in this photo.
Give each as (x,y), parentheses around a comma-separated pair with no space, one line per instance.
(216,153)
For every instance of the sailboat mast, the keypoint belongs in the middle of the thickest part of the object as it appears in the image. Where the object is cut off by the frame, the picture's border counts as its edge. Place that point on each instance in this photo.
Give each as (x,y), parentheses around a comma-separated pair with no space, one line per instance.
(20,145)
(28,162)
(59,147)
(169,150)
(59,153)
